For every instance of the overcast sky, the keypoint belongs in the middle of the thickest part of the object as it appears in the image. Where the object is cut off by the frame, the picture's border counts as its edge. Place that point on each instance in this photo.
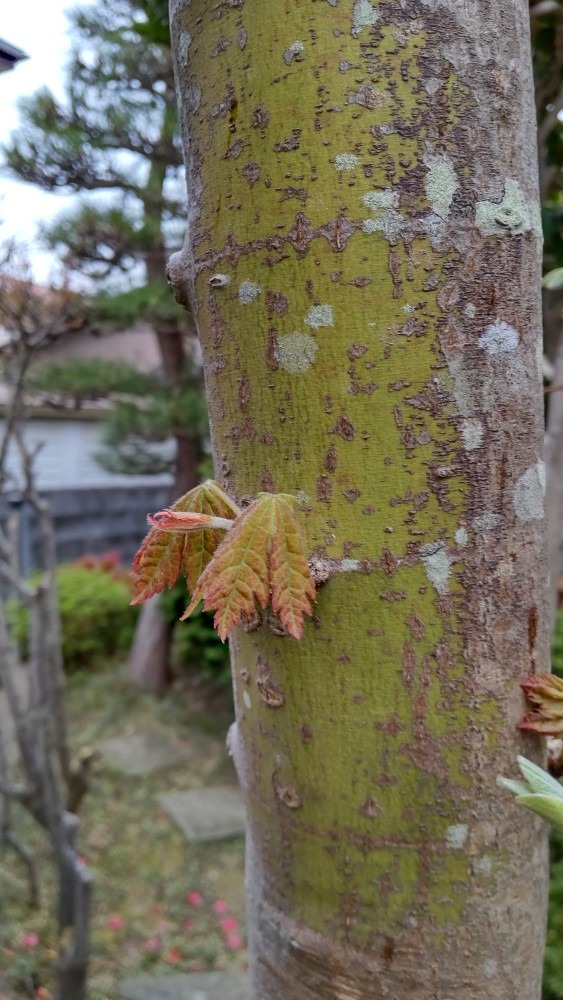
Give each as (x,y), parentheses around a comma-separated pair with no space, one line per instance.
(43,34)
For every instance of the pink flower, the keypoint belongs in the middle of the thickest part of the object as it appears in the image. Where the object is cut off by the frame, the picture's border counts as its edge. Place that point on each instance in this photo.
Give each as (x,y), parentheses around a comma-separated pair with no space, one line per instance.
(220,906)
(152,945)
(229,925)
(194,898)
(30,940)
(234,942)
(116,923)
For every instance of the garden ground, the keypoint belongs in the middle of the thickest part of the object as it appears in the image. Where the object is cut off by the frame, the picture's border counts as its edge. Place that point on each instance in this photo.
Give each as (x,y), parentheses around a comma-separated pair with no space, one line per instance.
(160,904)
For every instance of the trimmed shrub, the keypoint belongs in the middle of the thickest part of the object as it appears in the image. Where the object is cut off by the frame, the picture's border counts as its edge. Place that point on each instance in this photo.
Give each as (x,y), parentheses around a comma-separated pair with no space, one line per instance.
(97,620)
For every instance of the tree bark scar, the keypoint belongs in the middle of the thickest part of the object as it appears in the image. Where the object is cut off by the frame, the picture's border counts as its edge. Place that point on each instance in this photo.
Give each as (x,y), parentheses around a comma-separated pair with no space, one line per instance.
(532,637)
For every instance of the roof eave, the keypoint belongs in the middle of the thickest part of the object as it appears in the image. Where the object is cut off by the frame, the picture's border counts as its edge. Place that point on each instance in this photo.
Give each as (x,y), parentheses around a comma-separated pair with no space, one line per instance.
(10,55)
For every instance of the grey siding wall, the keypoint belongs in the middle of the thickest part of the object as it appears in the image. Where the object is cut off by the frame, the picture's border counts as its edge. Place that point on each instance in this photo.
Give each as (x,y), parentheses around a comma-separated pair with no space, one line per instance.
(89,521)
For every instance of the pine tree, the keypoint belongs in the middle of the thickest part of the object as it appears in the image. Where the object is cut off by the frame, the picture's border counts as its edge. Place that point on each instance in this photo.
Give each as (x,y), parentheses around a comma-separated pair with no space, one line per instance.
(115,134)
(114,140)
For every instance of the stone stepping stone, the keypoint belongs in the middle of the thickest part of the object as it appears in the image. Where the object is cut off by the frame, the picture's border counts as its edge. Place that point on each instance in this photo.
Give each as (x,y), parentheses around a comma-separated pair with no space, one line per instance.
(144,752)
(197,986)
(206,814)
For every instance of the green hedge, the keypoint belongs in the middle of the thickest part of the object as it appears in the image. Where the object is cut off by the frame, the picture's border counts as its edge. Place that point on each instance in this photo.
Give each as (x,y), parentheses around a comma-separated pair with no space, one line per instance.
(195,643)
(96,618)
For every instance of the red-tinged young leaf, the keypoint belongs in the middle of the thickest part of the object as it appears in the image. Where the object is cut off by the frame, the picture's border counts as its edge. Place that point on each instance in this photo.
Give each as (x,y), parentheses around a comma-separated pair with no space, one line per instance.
(210,499)
(238,573)
(261,559)
(291,584)
(164,553)
(545,693)
(186,522)
(158,564)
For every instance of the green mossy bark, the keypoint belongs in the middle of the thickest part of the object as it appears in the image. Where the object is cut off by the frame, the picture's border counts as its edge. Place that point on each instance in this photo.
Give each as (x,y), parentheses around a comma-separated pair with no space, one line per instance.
(331,330)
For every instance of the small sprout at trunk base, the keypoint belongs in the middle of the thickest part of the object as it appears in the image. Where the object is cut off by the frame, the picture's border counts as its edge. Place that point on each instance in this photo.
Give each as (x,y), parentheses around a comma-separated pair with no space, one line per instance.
(538,792)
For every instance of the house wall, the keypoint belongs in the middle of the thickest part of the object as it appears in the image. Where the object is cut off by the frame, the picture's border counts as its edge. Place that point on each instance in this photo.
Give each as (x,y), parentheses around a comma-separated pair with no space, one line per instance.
(137,345)
(86,521)
(66,456)
(93,510)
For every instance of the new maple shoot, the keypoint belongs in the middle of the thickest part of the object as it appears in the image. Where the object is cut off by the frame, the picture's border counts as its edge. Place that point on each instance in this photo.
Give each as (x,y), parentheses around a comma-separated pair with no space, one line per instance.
(164,555)
(186,521)
(261,559)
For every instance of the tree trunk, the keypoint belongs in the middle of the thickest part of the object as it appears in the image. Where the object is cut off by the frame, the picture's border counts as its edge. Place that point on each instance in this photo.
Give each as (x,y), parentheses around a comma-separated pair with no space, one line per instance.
(188,457)
(149,660)
(363,263)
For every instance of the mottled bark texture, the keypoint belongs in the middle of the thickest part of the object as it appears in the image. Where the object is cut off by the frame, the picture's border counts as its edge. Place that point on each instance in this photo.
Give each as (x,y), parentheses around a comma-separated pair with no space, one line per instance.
(363,264)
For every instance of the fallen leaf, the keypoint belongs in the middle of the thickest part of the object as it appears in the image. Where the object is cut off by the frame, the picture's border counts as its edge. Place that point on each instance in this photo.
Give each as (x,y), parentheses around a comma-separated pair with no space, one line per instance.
(194,898)
(229,925)
(152,945)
